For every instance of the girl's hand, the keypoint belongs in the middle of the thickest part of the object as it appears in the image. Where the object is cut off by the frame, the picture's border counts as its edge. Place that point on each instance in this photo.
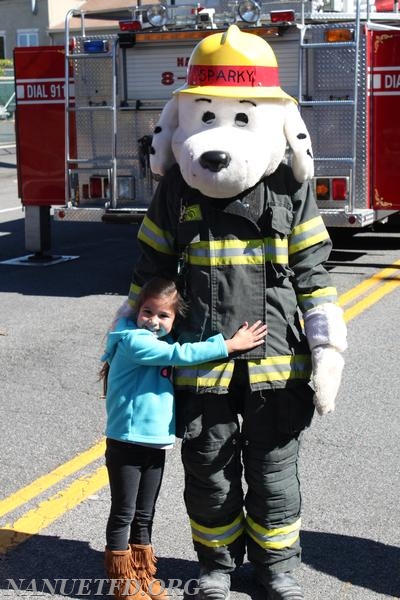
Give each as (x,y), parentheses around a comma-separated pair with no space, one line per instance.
(247,337)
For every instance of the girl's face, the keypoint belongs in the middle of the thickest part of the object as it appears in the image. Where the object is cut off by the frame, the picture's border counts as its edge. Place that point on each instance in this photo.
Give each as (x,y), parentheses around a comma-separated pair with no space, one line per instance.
(157,315)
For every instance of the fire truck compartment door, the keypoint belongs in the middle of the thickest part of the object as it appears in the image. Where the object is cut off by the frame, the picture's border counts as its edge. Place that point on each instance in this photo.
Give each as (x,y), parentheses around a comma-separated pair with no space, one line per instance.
(384,110)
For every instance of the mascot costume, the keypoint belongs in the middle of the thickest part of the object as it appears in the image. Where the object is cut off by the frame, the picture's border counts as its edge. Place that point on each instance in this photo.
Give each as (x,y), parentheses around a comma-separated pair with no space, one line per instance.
(240,231)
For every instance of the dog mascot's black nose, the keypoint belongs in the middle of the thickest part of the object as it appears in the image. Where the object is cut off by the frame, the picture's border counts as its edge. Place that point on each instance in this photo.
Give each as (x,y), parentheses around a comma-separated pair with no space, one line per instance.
(214,160)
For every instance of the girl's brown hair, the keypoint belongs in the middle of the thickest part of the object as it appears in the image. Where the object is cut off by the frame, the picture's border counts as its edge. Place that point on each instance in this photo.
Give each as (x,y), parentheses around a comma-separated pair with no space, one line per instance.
(159,287)
(156,287)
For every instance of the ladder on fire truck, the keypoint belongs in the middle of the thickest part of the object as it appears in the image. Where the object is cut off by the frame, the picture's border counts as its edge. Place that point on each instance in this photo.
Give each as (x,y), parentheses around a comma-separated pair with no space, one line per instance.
(305,102)
(105,163)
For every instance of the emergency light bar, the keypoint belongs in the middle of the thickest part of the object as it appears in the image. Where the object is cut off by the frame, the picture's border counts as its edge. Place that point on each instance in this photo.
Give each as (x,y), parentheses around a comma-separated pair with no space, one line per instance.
(171,17)
(282,16)
(95,46)
(130,25)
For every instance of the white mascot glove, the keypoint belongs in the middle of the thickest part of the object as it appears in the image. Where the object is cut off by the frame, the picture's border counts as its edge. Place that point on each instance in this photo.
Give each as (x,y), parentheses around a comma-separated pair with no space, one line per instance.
(328,365)
(326,334)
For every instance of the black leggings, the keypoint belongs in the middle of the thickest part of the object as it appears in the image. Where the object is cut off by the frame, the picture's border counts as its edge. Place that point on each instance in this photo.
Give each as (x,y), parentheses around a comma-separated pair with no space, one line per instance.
(135,473)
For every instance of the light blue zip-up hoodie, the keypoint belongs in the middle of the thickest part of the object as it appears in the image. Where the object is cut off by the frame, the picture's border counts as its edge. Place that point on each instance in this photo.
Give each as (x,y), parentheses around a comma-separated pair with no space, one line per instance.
(139,399)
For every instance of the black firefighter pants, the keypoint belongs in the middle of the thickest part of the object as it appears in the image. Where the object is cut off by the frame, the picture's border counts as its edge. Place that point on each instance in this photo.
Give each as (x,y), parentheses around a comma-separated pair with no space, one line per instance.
(257,432)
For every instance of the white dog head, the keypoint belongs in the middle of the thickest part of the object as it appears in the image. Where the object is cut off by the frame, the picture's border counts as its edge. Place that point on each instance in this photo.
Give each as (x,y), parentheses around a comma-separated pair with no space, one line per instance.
(225,137)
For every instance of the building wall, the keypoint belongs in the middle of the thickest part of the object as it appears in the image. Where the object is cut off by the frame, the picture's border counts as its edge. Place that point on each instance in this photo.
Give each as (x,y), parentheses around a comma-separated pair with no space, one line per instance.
(16,15)
(59,8)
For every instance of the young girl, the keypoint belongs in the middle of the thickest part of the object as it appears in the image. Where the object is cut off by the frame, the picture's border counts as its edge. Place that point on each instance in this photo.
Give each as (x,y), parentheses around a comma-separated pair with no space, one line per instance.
(141,425)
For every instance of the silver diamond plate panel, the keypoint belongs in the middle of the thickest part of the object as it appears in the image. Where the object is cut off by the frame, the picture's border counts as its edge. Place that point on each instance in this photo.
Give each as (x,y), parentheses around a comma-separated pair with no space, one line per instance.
(93,77)
(330,128)
(94,116)
(331,75)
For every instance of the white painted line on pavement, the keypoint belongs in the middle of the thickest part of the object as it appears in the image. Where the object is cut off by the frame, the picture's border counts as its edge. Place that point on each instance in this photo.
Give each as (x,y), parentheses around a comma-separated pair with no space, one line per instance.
(4,210)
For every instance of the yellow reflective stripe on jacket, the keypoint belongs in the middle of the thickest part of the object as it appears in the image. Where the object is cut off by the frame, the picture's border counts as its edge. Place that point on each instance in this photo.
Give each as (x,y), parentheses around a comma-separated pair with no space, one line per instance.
(275,539)
(155,237)
(226,252)
(134,291)
(237,252)
(205,375)
(280,368)
(320,296)
(276,250)
(307,234)
(217,536)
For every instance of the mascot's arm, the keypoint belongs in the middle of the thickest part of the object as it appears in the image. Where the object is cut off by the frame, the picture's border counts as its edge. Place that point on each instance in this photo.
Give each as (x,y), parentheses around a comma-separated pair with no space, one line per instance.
(325,329)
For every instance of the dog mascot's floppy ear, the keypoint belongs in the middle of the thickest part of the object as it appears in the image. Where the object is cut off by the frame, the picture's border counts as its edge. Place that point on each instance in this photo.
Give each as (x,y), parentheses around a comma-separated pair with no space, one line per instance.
(299,141)
(161,155)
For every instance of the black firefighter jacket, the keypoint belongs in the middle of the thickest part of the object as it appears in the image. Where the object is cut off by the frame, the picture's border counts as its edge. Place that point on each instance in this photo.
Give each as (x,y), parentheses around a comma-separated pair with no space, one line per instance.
(256,256)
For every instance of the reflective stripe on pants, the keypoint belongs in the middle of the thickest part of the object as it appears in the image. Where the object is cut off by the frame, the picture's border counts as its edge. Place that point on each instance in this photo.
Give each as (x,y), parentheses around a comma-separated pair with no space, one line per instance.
(213,449)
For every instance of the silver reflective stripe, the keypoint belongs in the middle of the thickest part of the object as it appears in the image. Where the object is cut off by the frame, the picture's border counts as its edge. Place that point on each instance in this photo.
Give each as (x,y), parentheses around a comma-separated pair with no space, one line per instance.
(277,538)
(155,237)
(307,234)
(280,368)
(218,536)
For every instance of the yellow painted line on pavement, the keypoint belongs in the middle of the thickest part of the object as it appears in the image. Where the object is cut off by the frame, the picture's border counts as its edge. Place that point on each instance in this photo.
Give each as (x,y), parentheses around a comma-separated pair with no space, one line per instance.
(43,483)
(373,281)
(384,282)
(48,511)
(371,299)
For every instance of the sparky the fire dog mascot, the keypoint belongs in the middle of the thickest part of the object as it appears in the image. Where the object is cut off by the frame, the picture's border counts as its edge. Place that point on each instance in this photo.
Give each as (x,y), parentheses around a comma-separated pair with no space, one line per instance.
(240,230)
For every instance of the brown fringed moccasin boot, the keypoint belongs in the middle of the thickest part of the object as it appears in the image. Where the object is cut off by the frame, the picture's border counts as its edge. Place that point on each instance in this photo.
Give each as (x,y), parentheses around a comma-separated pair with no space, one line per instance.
(124,583)
(144,565)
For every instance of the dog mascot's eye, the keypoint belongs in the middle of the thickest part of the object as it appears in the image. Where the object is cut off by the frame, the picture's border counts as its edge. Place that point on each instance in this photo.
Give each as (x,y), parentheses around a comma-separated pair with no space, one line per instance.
(241,119)
(208,117)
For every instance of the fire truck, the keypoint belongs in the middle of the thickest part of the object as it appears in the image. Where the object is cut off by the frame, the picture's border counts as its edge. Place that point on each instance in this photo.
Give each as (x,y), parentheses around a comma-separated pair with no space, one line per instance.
(85,111)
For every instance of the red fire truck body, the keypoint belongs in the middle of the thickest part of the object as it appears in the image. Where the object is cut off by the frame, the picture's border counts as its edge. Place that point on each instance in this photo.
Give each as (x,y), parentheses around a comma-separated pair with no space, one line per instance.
(85,112)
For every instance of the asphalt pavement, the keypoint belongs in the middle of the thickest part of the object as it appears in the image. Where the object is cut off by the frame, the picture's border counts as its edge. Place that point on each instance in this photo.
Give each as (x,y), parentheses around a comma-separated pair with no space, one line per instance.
(52,325)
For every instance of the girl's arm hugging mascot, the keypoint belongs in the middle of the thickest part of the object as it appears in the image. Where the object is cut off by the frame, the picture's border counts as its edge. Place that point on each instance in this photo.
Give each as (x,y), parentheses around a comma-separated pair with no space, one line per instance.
(241,230)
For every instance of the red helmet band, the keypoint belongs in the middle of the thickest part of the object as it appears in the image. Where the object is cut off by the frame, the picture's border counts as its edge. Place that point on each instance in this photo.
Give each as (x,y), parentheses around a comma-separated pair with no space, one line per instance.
(239,76)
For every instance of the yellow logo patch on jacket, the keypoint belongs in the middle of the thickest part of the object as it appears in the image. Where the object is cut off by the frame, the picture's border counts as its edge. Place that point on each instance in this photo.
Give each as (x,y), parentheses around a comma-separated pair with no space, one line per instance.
(192,213)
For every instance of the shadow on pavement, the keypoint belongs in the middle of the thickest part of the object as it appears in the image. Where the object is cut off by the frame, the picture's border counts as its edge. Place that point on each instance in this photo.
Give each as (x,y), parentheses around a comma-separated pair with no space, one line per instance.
(52,561)
(6,165)
(359,561)
(58,566)
(106,256)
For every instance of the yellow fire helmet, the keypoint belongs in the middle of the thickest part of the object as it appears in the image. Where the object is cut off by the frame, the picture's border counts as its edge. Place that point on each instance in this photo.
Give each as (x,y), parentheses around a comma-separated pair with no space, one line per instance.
(233,64)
